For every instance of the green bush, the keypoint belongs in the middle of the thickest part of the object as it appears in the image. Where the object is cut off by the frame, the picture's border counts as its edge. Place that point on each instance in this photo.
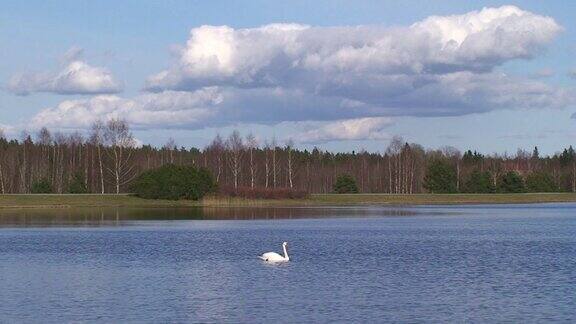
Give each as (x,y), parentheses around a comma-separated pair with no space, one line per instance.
(440,177)
(174,182)
(541,182)
(42,186)
(479,182)
(77,185)
(511,182)
(345,184)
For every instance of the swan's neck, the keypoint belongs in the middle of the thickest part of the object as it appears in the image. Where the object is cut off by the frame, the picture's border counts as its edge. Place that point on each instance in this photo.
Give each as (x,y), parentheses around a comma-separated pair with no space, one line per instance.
(285,252)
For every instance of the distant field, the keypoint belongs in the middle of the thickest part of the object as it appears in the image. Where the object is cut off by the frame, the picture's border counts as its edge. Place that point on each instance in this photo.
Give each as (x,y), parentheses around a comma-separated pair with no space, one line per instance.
(65,201)
(442,199)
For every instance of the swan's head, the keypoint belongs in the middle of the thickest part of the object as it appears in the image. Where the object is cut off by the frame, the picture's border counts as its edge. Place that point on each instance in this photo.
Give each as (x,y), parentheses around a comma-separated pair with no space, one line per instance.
(284,243)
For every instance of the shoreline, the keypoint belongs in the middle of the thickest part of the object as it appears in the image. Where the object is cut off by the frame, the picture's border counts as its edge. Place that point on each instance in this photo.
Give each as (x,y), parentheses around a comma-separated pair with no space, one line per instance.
(43,201)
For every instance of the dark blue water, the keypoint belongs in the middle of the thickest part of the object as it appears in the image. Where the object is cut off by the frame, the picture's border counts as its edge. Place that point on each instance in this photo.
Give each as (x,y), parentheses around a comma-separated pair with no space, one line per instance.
(432,264)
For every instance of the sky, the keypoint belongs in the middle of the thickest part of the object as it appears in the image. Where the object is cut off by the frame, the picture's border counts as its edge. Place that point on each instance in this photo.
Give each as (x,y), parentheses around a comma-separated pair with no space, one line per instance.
(492,76)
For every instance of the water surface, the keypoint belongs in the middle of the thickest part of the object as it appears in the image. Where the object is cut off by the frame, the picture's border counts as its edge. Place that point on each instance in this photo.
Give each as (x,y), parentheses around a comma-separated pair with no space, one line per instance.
(368,264)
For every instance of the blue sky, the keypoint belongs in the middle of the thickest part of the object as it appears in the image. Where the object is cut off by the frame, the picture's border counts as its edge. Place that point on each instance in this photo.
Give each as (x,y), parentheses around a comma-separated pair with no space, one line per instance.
(116,52)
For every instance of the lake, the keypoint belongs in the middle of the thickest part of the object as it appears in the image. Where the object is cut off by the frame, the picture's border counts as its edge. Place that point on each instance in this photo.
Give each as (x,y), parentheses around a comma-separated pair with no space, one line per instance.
(363,264)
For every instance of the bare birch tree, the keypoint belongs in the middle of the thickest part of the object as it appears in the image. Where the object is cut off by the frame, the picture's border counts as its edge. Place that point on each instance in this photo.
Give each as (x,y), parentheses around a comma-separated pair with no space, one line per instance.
(394,166)
(97,139)
(266,164)
(455,157)
(216,150)
(170,146)
(252,145)
(2,150)
(24,168)
(235,148)
(290,161)
(121,144)
(274,149)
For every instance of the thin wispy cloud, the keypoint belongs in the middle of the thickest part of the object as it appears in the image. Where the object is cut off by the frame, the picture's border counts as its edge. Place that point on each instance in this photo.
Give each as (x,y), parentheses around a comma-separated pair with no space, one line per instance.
(543,73)
(370,128)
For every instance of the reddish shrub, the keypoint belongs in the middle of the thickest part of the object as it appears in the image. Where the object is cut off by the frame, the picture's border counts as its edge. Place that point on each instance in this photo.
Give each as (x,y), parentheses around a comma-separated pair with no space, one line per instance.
(262,193)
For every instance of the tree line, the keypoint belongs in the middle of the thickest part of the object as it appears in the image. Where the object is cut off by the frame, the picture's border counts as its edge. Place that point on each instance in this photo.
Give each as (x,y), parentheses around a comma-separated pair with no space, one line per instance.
(105,159)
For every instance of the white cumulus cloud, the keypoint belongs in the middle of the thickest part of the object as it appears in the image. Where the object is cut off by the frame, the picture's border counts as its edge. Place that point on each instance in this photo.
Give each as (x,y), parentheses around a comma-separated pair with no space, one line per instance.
(442,65)
(345,76)
(293,55)
(76,77)
(454,94)
(168,109)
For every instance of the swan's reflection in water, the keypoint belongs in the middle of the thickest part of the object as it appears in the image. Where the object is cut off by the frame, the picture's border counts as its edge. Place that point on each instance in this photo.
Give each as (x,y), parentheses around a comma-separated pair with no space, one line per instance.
(126,216)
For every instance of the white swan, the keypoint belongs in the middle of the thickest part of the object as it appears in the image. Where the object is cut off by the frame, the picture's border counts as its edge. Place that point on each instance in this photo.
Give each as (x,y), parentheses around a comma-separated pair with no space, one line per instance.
(274,257)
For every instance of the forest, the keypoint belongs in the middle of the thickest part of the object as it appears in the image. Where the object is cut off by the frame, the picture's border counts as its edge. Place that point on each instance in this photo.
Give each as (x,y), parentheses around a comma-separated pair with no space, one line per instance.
(105,159)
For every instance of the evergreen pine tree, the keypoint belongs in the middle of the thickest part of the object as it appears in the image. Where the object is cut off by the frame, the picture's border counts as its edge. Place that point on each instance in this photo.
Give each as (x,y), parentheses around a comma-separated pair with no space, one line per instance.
(535,153)
(511,182)
(440,178)
(345,184)
(42,186)
(541,182)
(479,182)
(77,185)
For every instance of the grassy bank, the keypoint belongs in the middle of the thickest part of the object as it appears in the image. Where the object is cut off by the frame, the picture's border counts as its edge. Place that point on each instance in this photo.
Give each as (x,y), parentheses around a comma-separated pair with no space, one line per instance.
(66,201)
(443,199)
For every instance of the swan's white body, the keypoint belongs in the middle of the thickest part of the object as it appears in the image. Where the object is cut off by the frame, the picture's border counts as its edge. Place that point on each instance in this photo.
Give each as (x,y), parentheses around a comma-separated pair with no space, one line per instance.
(274,257)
